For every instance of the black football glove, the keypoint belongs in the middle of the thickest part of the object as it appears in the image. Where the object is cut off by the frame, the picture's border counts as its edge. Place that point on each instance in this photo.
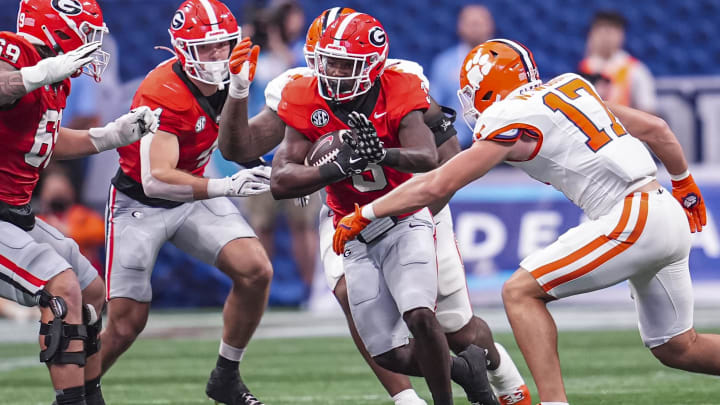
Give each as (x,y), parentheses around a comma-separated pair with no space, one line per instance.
(348,160)
(368,145)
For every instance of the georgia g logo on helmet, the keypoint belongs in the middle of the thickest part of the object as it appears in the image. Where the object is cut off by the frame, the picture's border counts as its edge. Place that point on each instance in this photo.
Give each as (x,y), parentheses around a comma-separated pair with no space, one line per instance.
(69,7)
(377,37)
(178,20)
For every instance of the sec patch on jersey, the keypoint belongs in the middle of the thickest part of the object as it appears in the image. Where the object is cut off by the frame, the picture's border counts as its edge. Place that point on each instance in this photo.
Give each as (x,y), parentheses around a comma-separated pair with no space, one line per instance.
(326,148)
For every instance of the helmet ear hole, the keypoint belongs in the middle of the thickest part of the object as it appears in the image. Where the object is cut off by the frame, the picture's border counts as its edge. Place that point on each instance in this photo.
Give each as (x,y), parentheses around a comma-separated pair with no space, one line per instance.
(487,96)
(62,35)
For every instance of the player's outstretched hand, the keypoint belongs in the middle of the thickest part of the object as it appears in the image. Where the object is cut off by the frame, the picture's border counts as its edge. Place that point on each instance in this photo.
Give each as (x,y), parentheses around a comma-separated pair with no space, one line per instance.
(126,129)
(688,193)
(243,61)
(58,68)
(368,144)
(348,228)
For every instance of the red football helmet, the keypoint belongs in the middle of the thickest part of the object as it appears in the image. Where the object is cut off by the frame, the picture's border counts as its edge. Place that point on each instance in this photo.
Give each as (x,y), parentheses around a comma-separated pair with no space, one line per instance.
(350,56)
(198,23)
(490,72)
(317,28)
(65,25)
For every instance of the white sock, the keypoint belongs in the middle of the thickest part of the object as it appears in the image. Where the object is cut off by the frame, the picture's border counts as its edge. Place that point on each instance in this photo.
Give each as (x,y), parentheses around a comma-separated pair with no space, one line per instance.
(506,378)
(554,403)
(230,352)
(407,397)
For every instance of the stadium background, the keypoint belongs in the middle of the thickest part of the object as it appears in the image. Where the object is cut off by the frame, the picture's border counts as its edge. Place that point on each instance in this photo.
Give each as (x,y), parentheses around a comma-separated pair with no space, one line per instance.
(498,220)
(496,223)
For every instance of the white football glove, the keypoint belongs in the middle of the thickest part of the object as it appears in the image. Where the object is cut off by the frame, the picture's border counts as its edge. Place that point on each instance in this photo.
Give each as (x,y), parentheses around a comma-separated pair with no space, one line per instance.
(244,183)
(126,129)
(58,68)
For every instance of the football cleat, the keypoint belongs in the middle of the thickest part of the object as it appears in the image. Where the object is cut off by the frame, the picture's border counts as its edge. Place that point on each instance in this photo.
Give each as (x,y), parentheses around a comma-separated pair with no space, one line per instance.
(227,387)
(520,396)
(475,383)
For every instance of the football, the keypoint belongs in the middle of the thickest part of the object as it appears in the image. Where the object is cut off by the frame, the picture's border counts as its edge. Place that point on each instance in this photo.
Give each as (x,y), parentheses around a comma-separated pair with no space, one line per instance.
(325,149)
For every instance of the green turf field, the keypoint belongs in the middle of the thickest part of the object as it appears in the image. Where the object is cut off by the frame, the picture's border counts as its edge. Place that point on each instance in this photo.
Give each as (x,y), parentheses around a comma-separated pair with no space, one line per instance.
(600,368)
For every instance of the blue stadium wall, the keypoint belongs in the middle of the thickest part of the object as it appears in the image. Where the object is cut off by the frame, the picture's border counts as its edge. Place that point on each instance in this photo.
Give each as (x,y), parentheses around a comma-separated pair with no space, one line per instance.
(673,37)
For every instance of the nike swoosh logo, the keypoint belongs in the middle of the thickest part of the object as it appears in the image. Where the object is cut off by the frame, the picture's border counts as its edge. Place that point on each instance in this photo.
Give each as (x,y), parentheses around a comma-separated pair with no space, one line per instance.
(376,115)
(355,160)
(327,140)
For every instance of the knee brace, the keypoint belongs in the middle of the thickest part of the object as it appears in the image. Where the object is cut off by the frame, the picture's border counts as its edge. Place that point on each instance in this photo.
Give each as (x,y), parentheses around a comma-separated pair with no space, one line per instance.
(93,322)
(58,333)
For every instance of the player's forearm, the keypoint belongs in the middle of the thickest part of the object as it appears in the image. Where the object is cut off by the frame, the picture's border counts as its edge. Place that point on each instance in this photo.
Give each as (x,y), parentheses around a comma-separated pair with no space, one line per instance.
(292,180)
(73,144)
(11,87)
(414,194)
(656,133)
(668,150)
(411,160)
(234,135)
(175,185)
(242,140)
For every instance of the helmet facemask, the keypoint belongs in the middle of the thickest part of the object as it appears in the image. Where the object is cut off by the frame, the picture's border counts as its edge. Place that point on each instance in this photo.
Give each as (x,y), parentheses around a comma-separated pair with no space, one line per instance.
(343,76)
(90,33)
(198,66)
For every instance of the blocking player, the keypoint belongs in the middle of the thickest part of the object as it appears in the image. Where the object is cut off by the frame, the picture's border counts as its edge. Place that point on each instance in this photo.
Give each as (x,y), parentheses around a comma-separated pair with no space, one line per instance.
(38,265)
(350,84)
(159,193)
(563,134)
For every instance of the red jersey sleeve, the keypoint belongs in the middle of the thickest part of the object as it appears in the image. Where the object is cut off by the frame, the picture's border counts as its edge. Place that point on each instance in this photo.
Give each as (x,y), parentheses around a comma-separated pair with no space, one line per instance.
(161,90)
(16,51)
(294,107)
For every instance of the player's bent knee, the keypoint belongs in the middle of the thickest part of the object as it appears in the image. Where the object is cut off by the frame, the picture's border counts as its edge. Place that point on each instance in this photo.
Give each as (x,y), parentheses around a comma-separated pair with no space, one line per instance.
(673,353)
(420,321)
(57,336)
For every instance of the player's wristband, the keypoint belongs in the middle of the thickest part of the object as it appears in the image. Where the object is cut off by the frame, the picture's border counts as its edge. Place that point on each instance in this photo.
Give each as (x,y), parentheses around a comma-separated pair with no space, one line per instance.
(33,77)
(682,176)
(368,212)
(218,187)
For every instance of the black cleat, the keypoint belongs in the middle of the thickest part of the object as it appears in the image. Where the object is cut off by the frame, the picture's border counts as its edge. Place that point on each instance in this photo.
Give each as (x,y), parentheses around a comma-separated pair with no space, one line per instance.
(226,387)
(474,380)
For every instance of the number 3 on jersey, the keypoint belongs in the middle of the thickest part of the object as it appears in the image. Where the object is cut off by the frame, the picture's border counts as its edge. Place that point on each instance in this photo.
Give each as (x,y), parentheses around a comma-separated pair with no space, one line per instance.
(597,134)
(44,140)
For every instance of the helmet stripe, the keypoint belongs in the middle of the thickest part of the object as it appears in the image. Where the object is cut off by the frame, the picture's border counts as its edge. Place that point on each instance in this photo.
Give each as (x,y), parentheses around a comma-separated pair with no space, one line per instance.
(329,16)
(525,56)
(210,12)
(343,25)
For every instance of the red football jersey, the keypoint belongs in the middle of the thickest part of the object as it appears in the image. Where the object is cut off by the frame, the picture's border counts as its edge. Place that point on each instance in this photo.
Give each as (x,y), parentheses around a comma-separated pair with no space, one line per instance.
(181,116)
(302,108)
(29,128)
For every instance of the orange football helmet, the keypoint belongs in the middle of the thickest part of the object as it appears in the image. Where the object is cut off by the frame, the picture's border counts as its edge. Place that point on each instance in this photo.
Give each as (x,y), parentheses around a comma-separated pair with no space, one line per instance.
(490,72)
(317,28)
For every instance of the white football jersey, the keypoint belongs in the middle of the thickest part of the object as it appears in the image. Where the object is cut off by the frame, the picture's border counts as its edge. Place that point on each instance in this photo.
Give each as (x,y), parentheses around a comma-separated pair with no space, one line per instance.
(273,90)
(582,150)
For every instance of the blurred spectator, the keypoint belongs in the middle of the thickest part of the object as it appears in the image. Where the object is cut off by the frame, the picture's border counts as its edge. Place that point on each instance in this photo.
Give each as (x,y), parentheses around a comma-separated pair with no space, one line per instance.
(58,208)
(279,30)
(631,82)
(600,82)
(475,25)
